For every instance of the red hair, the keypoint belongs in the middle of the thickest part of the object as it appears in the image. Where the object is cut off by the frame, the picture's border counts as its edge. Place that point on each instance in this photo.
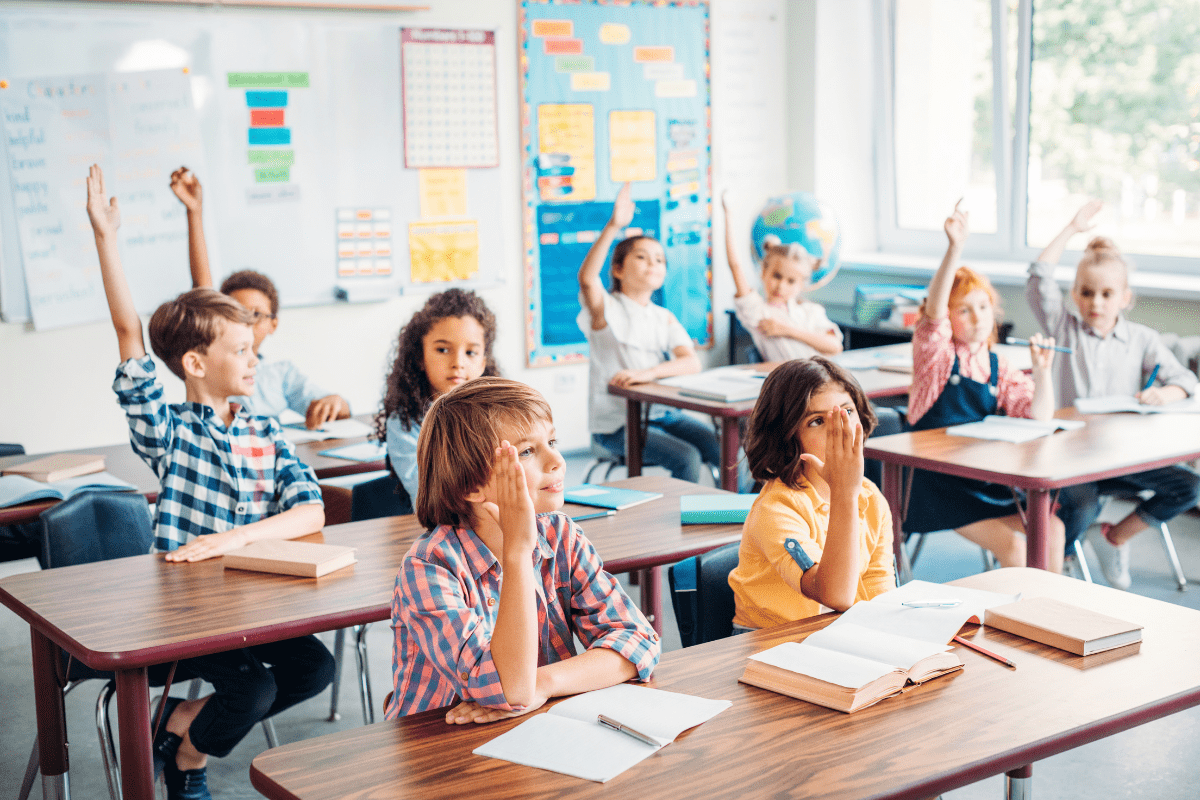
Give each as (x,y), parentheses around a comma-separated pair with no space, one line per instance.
(967,280)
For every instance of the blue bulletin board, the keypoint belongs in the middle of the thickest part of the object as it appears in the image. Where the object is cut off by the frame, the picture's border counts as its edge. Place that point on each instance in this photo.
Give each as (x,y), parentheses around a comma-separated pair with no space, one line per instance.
(613,92)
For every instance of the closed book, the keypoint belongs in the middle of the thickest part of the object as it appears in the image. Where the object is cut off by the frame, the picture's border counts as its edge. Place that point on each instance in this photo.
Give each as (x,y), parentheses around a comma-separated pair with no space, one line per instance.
(287,557)
(696,509)
(59,466)
(588,494)
(1077,630)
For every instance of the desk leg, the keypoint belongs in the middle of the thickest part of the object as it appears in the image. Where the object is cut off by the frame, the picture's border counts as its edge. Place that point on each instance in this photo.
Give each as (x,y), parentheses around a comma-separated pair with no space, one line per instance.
(133,709)
(1018,784)
(1037,514)
(650,583)
(633,438)
(891,492)
(730,437)
(51,718)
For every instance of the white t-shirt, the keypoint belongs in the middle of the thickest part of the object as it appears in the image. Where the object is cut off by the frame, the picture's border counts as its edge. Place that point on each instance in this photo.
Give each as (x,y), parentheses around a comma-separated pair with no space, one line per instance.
(753,309)
(634,337)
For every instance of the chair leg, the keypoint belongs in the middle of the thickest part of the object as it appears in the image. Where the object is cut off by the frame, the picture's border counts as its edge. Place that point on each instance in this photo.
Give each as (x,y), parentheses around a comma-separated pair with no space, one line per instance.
(1081,560)
(108,748)
(339,641)
(1172,556)
(364,673)
(31,771)
(268,728)
(989,561)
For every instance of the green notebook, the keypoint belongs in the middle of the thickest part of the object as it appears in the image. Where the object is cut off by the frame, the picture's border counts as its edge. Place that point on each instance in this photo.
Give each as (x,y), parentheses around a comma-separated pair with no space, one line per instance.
(697,509)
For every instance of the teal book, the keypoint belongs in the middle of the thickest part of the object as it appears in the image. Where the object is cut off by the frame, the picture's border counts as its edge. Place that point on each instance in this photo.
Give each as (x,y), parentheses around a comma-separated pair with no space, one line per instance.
(696,509)
(587,494)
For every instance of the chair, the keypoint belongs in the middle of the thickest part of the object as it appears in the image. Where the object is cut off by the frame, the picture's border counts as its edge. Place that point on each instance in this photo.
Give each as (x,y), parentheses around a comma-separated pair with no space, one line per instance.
(11,450)
(1164,533)
(381,497)
(701,595)
(603,457)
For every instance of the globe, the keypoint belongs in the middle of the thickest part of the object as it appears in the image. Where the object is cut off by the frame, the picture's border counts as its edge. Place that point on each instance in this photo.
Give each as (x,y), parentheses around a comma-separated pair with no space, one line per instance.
(800,218)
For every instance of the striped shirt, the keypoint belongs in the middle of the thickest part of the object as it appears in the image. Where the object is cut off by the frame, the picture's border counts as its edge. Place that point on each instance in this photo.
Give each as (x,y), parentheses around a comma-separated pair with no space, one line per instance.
(211,478)
(447,597)
(934,350)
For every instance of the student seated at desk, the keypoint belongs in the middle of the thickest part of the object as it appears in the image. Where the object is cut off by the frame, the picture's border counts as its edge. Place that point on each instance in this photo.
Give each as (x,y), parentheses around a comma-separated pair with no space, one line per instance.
(278,385)
(819,534)
(227,479)
(490,600)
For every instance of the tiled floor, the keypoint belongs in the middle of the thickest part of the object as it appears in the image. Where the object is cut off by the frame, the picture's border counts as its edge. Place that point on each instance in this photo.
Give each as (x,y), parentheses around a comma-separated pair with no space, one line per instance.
(1152,761)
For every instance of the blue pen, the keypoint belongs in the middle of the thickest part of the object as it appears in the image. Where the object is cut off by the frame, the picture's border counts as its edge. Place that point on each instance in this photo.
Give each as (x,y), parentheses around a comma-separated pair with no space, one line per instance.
(597,515)
(1153,375)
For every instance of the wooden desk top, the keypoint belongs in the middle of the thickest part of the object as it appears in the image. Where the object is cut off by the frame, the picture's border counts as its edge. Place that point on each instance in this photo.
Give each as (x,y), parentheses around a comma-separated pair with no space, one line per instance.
(143,610)
(952,731)
(1109,445)
(120,460)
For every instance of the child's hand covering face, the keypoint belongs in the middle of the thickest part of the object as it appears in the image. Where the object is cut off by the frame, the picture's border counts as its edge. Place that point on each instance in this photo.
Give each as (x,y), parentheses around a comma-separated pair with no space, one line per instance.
(509,503)
(831,439)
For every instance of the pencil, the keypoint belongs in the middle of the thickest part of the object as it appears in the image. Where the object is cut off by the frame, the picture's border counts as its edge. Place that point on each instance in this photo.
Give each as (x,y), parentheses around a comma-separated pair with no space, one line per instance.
(982,651)
(1056,348)
(597,515)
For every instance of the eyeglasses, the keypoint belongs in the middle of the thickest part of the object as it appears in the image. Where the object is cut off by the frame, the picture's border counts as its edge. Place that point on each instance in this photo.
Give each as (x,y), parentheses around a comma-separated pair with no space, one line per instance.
(259,316)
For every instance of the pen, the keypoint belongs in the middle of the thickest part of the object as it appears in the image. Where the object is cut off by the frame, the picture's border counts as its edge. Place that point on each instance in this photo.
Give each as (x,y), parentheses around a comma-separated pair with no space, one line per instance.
(947,603)
(597,515)
(1153,375)
(982,651)
(609,722)
(1056,348)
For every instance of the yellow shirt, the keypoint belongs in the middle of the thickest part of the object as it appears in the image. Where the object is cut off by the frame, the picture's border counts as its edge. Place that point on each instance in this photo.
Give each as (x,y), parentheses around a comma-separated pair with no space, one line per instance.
(783,536)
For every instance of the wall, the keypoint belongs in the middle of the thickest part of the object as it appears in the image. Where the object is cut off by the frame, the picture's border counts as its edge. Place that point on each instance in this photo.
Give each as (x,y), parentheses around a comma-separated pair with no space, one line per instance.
(55,392)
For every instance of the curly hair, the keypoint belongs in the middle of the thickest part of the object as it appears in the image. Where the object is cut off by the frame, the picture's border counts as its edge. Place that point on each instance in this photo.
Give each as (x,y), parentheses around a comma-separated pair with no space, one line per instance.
(408,391)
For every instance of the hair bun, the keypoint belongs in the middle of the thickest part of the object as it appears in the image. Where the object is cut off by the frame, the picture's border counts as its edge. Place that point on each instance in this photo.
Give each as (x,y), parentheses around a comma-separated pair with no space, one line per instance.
(771,240)
(1102,245)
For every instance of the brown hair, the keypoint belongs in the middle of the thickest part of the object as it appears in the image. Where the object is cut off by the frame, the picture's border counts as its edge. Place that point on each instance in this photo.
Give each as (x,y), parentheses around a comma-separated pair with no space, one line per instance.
(772,444)
(618,257)
(458,441)
(192,321)
(1102,250)
(407,391)
(772,247)
(249,279)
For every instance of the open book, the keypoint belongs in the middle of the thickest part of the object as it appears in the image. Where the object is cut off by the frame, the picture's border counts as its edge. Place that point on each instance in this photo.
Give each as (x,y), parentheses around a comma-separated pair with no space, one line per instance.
(1013,429)
(569,738)
(1116,404)
(726,384)
(296,432)
(17,489)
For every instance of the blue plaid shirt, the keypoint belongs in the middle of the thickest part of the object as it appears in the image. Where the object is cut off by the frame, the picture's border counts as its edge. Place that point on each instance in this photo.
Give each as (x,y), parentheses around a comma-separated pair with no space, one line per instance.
(212,478)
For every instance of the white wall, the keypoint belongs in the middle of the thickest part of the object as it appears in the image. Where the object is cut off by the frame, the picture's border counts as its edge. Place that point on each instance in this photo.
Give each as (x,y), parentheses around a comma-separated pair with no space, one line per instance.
(55,386)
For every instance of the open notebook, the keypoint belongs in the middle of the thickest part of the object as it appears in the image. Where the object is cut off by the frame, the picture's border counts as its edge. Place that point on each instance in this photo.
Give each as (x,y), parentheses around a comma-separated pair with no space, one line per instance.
(569,739)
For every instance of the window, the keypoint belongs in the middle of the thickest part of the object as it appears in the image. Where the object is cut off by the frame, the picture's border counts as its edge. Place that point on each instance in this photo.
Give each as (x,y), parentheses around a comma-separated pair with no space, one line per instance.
(1027,108)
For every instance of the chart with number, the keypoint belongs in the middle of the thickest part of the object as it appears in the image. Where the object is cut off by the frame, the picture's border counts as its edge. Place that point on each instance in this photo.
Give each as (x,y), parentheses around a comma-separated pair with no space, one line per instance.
(449,95)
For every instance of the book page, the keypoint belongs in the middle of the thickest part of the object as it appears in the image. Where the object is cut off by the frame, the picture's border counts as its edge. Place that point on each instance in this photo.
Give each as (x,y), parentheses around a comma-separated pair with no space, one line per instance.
(663,715)
(877,645)
(887,612)
(560,744)
(839,669)
(95,481)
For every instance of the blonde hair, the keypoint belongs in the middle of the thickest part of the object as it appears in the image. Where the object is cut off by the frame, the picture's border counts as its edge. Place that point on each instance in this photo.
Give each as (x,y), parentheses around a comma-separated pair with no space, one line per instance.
(192,321)
(458,441)
(773,247)
(1102,250)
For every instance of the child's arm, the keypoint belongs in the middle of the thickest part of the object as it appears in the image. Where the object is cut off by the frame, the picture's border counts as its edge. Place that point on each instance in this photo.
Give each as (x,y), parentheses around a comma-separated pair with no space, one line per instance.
(1082,221)
(1174,381)
(589,272)
(825,342)
(186,187)
(1041,349)
(683,361)
(402,453)
(298,520)
(741,283)
(937,300)
(106,219)
(833,581)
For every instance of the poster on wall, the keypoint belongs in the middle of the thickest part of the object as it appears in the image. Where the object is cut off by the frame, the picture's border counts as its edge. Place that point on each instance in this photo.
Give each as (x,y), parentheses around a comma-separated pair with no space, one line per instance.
(613,92)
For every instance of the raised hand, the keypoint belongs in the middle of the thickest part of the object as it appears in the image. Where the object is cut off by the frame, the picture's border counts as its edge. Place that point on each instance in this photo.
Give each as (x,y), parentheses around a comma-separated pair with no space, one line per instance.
(102,211)
(513,508)
(1083,219)
(958,226)
(842,468)
(186,187)
(623,208)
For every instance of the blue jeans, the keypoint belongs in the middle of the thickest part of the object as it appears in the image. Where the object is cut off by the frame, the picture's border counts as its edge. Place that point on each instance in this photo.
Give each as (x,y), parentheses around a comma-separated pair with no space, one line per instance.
(1176,489)
(679,444)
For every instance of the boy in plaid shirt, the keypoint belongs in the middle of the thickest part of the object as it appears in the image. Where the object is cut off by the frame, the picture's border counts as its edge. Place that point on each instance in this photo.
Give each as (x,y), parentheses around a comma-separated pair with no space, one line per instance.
(489,602)
(227,479)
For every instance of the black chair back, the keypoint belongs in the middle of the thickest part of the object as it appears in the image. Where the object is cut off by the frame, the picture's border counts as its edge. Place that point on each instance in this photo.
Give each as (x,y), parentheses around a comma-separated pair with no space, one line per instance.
(704,613)
(95,526)
(382,497)
(11,450)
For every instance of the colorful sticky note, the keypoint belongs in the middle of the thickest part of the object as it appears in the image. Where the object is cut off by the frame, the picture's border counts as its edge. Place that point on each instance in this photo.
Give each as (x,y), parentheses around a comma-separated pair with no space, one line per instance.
(442,192)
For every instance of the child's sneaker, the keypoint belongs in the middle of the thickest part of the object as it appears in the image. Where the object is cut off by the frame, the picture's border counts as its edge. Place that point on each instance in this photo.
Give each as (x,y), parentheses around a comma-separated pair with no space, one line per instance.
(1114,559)
(186,784)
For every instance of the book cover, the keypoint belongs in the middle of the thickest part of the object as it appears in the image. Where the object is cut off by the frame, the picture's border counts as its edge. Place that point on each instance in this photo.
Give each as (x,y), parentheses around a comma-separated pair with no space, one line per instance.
(288,557)
(588,494)
(1077,630)
(59,466)
(723,508)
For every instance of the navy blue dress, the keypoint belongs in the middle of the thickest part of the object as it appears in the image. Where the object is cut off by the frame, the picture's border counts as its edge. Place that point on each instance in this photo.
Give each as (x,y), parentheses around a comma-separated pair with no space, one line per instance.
(940,502)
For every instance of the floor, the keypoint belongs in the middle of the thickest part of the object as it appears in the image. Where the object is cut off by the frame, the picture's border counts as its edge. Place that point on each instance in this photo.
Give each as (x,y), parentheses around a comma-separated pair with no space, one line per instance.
(1152,761)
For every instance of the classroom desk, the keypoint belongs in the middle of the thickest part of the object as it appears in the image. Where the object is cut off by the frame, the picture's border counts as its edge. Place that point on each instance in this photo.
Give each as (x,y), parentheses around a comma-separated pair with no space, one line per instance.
(143,611)
(1108,446)
(875,382)
(950,732)
(121,461)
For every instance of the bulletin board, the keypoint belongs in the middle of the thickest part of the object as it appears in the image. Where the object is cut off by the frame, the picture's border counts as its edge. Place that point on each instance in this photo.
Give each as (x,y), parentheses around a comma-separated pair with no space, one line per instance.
(293,121)
(613,92)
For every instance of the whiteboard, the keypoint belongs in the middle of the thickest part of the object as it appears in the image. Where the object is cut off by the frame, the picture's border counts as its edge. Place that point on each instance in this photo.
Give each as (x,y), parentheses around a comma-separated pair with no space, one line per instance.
(346,142)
